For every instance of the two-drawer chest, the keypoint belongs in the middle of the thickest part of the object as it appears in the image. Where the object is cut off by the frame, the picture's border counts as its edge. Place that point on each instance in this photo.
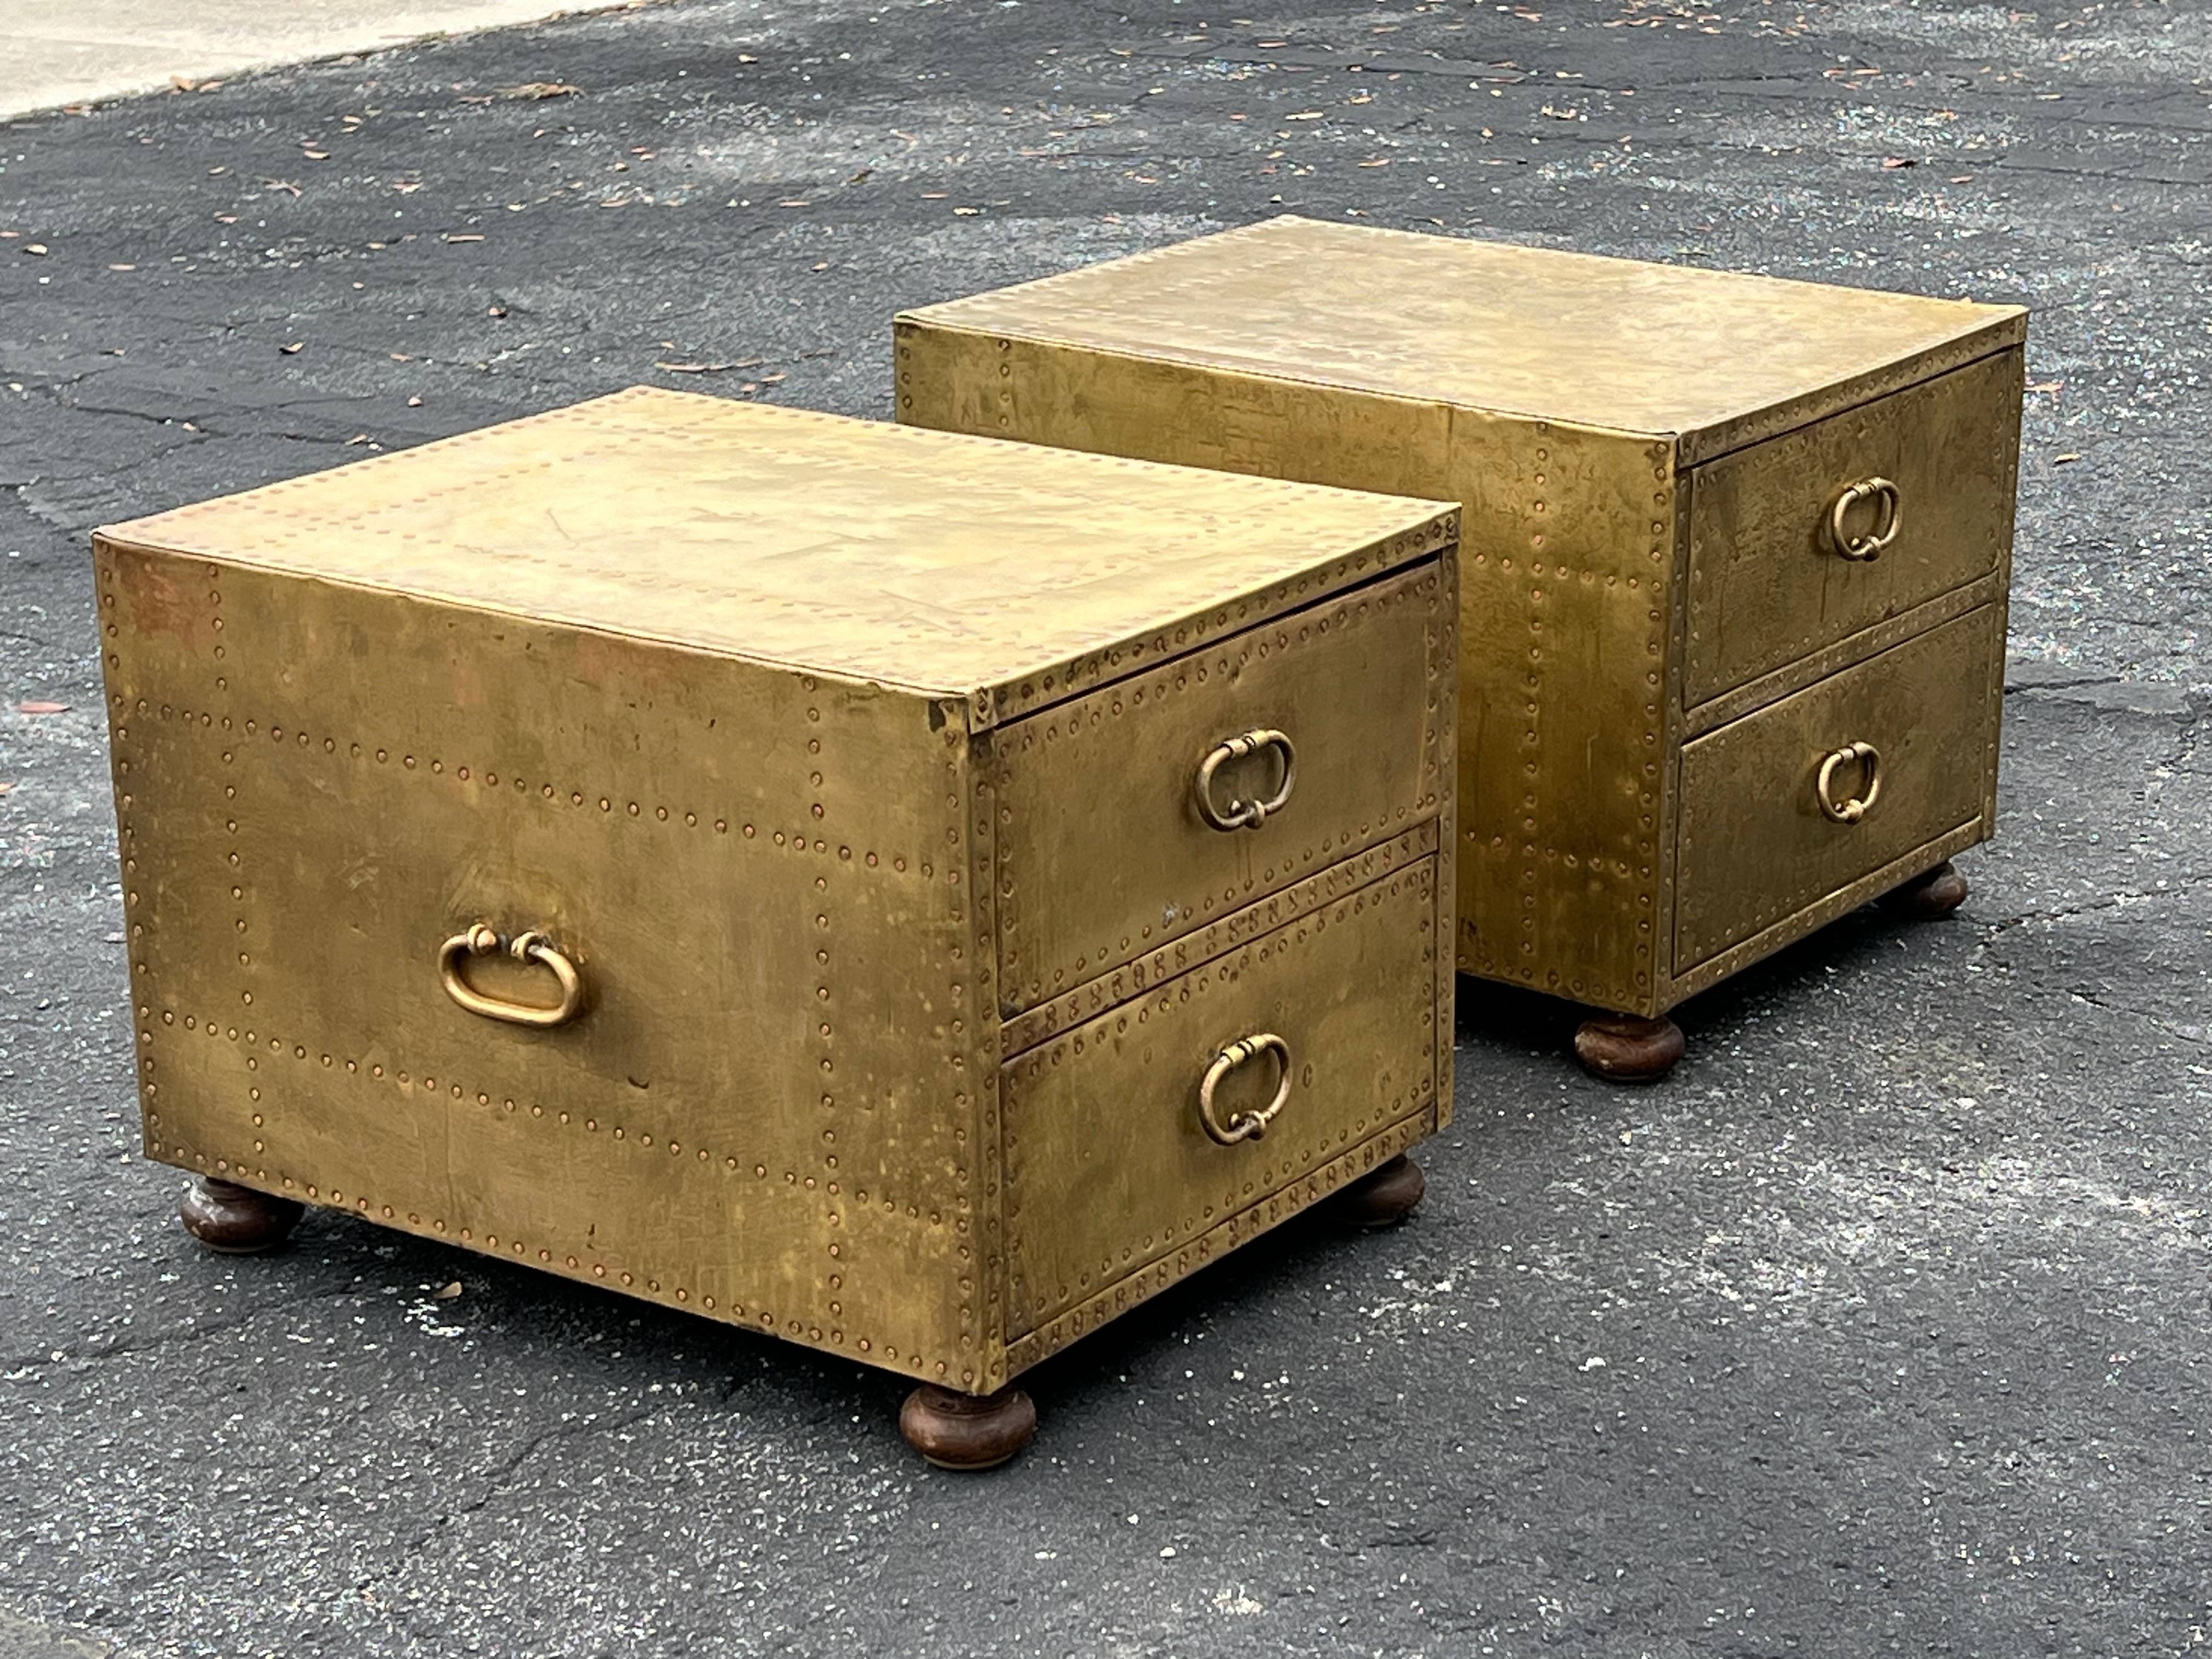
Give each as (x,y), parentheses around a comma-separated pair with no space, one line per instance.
(911,896)
(1736,558)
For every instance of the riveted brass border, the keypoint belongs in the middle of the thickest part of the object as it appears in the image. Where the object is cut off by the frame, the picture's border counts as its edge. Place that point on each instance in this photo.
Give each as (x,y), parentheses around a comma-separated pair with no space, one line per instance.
(1846,652)
(1821,911)
(1216,1242)
(1071,1008)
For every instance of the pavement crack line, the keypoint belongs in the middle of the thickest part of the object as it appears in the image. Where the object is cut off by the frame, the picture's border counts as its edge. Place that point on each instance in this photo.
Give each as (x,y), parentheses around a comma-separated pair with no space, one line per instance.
(2110,902)
(2195,1034)
(124,1350)
(34,639)
(500,1476)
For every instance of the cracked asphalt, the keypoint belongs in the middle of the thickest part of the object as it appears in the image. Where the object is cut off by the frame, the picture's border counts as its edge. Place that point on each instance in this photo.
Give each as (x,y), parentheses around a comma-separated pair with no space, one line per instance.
(1882,1327)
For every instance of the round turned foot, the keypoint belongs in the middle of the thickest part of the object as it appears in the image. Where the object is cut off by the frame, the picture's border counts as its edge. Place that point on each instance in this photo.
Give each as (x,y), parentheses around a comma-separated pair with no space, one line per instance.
(964,1430)
(236,1220)
(1622,1049)
(1384,1197)
(1938,893)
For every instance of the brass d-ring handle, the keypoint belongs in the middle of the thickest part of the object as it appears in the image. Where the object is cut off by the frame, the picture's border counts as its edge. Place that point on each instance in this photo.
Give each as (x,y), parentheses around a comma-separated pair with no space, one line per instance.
(1243,814)
(481,940)
(1857,806)
(1869,544)
(1244,1126)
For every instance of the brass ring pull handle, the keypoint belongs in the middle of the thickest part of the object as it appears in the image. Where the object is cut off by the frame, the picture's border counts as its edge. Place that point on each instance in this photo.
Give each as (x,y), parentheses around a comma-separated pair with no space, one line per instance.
(1852,810)
(1244,814)
(1868,545)
(1243,1125)
(532,947)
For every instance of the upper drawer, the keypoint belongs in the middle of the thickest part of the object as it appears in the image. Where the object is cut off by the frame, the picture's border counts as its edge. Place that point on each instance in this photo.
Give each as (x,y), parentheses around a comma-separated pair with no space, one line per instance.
(1109,842)
(1769,580)
(1767,822)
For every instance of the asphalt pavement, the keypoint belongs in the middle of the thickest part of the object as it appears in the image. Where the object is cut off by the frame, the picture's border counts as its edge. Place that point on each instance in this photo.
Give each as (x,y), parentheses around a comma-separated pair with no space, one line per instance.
(1882,1327)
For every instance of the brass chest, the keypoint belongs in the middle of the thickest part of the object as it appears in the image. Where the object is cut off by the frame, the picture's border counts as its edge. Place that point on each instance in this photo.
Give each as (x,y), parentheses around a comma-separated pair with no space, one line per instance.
(760,862)
(1735,552)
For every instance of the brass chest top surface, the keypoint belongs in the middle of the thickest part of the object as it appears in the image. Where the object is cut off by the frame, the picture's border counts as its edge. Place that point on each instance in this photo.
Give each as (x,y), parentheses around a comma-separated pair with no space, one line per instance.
(882,553)
(1599,342)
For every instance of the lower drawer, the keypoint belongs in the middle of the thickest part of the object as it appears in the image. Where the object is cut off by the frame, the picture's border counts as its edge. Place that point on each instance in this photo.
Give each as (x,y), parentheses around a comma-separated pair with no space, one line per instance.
(1779,809)
(1110,1162)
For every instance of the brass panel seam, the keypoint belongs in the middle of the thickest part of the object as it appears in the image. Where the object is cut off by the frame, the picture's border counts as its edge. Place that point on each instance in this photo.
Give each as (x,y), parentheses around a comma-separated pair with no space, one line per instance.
(984,1114)
(1226,934)
(796,839)
(1846,652)
(1171,641)
(1652,802)
(1724,438)
(514,1105)
(613,1276)
(1659,993)
(1442,634)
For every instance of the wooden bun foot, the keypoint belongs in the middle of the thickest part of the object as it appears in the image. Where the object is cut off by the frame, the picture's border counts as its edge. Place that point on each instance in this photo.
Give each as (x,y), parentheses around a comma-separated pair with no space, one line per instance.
(236,1220)
(966,1432)
(1384,1197)
(1937,893)
(1622,1049)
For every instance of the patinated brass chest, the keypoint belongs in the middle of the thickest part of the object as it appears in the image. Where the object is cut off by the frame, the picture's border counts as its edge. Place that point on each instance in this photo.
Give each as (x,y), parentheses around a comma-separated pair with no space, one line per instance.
(911,896)
(1737,552)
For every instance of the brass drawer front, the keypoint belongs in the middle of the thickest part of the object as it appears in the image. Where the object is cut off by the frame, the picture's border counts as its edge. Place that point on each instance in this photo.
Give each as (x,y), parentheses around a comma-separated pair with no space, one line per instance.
(1770,582)
(1780,808)
(1329,719)
(1109,1162)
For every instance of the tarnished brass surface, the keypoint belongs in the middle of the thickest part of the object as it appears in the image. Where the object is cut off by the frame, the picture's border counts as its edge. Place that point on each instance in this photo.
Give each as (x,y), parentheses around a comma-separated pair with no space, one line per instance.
(1766,585)
(812,540)
(1354,680)
(1720,358)
(555,685)
(1649,463)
